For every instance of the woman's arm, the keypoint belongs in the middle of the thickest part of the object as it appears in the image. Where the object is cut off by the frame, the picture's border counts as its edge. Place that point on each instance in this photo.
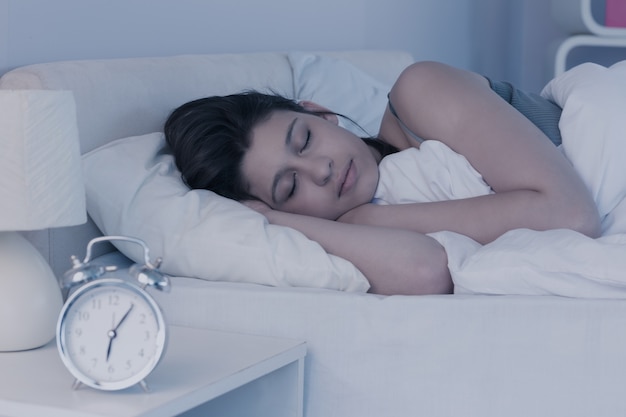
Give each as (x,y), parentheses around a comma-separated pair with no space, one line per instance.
(536,187)
(395,261)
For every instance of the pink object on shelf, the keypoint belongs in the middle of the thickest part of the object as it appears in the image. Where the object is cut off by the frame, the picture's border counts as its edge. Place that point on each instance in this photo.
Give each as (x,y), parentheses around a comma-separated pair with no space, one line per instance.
(615,13)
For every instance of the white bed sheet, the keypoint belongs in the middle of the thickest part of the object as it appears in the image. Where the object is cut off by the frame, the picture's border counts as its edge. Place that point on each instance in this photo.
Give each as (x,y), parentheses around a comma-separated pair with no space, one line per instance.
(448,355)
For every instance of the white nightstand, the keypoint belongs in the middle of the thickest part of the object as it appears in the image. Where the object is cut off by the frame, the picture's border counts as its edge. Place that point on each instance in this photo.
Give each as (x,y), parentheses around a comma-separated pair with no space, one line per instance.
(203,373)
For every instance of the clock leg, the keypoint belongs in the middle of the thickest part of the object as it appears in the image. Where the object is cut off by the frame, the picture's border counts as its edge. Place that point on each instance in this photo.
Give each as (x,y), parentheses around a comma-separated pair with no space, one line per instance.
(144,386)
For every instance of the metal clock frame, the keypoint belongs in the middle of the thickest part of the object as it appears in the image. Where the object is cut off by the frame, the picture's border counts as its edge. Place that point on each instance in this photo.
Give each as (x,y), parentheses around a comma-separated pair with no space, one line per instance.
(84,276)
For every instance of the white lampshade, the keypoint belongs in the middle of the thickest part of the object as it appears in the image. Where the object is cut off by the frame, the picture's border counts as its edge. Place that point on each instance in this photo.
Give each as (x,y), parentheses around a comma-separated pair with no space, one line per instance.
(40,167)
(41,186)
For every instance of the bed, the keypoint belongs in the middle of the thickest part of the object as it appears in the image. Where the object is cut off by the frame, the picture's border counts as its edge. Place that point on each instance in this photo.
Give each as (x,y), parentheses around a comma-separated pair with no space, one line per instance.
(480,352)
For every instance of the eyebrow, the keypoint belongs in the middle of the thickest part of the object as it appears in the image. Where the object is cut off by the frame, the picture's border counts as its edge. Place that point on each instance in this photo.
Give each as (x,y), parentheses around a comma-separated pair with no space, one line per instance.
(280,173)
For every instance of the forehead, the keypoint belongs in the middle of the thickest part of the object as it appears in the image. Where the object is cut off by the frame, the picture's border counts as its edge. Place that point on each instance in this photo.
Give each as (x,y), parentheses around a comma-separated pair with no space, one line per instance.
(273,134)
(267,147)
(275,124)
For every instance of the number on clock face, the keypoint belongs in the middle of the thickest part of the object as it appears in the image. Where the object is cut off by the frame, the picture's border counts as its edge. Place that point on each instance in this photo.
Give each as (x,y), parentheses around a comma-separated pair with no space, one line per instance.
(112,334)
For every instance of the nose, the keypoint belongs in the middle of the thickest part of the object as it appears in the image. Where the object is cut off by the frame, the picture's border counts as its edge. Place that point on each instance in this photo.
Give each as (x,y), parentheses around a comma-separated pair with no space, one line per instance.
(319,169)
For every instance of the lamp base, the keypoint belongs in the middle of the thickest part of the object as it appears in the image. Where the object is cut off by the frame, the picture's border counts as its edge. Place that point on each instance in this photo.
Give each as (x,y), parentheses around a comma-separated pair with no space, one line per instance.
(30,297)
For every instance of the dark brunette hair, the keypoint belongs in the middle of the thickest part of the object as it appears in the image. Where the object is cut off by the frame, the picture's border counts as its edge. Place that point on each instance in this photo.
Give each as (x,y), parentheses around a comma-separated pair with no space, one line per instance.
(210,136)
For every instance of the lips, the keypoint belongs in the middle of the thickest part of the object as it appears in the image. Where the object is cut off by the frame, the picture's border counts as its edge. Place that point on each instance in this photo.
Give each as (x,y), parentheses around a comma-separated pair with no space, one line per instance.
(348,179)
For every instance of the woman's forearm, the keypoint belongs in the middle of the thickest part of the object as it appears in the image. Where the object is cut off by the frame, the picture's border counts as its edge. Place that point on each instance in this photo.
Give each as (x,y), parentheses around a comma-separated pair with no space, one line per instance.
(395,261)
(482,218)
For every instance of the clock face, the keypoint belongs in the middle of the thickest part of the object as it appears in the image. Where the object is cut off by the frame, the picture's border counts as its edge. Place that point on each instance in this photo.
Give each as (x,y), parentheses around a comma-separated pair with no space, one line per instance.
(111,334)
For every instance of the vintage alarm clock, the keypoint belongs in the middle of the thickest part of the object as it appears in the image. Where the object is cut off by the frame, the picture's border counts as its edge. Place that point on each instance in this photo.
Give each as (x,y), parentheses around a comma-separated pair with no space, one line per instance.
(111,333)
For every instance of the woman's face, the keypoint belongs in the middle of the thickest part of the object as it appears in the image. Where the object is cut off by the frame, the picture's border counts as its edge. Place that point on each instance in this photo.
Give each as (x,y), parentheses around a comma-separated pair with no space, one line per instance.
(305,164)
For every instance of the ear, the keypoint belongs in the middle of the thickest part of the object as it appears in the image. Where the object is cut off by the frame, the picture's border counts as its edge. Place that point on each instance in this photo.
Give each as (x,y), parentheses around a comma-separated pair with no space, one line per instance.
(311,106)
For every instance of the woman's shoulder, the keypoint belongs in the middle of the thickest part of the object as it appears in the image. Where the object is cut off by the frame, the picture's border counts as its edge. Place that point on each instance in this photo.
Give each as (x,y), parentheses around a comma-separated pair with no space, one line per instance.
(433,74)
(417,97)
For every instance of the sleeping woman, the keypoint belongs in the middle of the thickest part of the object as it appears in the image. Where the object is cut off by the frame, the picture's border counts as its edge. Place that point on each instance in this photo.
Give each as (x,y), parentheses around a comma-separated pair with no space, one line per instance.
(295,164)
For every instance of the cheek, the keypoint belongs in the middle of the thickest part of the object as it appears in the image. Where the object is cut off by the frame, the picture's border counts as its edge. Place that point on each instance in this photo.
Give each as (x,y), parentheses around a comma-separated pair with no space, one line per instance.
(369,183)
(315,202)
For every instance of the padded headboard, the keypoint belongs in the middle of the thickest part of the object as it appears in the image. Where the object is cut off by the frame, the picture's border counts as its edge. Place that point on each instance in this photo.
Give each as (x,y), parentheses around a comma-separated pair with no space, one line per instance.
(117,98)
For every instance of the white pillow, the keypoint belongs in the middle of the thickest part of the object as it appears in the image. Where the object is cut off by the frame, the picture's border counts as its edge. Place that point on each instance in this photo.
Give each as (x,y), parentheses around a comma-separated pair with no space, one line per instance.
(343,88)
(134,189)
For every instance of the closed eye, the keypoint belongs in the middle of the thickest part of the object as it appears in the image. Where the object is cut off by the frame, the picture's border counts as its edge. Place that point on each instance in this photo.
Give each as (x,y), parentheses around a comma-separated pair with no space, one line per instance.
(307,141)
(292,191)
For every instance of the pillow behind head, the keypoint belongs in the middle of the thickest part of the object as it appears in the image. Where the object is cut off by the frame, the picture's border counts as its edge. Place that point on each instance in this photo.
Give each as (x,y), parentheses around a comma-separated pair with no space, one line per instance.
(341,87)
(134,189)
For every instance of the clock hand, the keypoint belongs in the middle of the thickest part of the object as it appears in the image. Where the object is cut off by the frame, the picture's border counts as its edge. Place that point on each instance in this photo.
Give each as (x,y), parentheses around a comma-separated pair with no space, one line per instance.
(111,335)
(123,318)
(113,332)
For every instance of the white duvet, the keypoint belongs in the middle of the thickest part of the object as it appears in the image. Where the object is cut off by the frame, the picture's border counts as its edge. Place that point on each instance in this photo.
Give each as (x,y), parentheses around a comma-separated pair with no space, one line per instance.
(522,261)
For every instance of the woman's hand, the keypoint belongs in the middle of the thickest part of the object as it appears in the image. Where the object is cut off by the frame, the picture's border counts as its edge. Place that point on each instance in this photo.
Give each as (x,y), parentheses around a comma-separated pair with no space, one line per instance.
(258,206)
(359,215)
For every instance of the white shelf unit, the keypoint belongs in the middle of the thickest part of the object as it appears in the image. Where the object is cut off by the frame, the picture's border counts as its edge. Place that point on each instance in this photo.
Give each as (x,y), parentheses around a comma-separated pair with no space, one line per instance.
(609,50)
(591,40)
(584,16)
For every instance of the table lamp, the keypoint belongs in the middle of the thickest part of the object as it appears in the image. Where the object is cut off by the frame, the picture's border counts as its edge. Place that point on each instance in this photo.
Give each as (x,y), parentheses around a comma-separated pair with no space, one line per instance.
(41,186)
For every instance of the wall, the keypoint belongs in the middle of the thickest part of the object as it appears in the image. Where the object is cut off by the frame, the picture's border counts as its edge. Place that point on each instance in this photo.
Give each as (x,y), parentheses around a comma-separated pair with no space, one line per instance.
(481,35)
(535,37)
(43,30)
